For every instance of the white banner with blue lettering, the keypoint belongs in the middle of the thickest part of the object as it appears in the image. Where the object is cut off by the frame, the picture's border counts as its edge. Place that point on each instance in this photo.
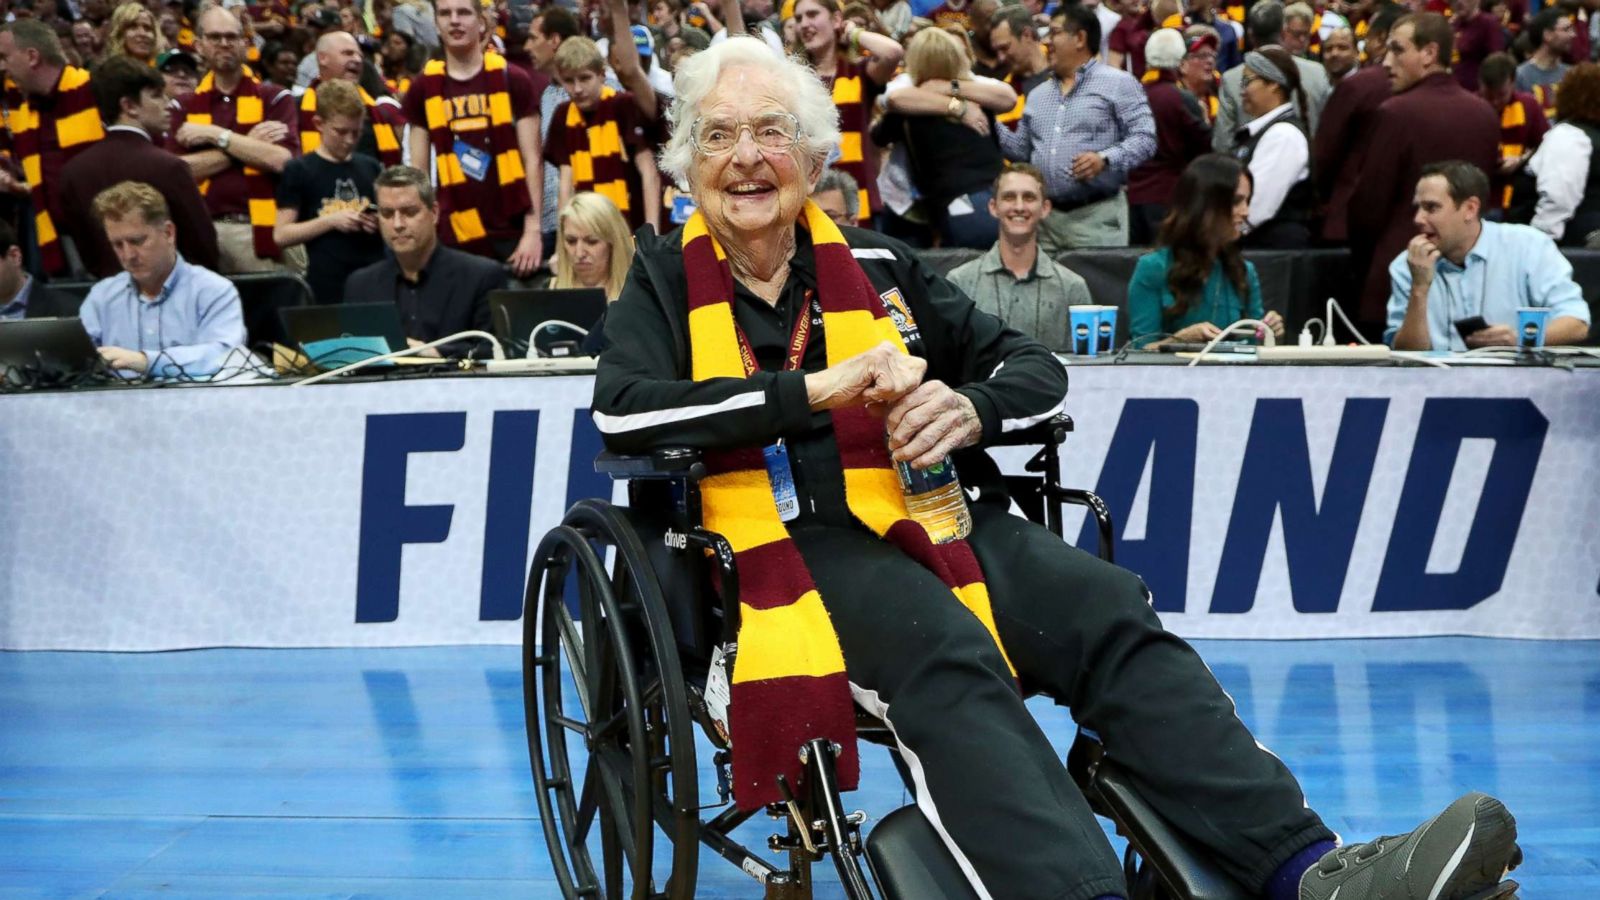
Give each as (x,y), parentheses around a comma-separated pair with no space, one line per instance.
(1257,503)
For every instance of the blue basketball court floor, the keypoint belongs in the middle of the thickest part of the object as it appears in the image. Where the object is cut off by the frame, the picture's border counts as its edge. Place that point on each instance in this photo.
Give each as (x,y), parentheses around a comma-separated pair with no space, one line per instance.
(403,772)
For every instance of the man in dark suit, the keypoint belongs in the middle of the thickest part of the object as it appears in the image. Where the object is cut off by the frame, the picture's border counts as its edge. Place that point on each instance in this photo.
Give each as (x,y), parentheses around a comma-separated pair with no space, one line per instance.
(21,295)
(132,101)
(438,290)
(1346,124)
(1430,118)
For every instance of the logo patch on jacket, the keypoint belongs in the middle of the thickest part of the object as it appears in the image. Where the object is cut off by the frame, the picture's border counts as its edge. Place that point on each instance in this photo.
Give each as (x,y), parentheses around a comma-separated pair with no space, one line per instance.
(901,314)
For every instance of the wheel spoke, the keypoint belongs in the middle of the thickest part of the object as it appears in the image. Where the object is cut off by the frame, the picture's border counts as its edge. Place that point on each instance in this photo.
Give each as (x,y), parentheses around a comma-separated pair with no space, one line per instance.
(587,804)
(570,724)
(619,803)
(572,647)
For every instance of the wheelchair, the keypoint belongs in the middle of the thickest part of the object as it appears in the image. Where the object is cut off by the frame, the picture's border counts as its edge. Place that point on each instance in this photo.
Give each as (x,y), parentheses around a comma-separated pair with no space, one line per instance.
(619,601)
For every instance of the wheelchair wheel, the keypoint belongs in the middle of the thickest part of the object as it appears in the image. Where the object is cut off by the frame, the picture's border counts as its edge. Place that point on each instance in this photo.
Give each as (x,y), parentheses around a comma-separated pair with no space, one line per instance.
(606,682)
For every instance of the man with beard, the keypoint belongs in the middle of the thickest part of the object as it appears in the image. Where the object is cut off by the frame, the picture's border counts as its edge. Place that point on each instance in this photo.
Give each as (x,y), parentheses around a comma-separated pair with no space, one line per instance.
(237,134)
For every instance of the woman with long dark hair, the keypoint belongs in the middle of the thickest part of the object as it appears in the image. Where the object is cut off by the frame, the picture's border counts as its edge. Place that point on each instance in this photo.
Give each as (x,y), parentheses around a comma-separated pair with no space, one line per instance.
(1276,147)
(1197,282)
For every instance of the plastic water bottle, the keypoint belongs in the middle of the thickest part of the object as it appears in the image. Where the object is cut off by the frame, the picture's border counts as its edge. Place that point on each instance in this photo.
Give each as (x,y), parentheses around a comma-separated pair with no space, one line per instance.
(934,499)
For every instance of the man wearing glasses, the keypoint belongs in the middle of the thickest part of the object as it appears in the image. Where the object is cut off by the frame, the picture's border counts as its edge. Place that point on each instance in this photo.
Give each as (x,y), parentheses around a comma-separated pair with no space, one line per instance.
(237,133)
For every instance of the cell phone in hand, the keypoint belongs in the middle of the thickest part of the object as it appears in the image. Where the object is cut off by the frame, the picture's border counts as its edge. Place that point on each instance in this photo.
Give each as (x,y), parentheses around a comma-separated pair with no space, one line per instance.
(1470,325)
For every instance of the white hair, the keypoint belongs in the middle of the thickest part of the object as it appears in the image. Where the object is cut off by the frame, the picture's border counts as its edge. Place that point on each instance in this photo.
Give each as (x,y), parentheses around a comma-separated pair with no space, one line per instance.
(1164,49)
(808,100)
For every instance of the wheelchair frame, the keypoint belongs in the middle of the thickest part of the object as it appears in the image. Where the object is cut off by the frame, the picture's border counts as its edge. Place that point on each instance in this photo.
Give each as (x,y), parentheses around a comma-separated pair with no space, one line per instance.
(636,709)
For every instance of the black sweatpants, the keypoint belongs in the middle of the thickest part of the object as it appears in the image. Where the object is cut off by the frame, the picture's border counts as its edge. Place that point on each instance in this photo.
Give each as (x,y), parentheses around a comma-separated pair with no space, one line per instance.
(1083,632)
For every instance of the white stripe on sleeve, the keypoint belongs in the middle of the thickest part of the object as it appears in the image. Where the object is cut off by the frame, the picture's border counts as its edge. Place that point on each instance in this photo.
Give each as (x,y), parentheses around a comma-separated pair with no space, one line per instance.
(636,421)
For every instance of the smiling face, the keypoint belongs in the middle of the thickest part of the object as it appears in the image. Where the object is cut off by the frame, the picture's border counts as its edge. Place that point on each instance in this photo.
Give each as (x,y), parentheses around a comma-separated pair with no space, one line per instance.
(139,38)
(818,28)
(590,255)
(1020,205)
(748,191)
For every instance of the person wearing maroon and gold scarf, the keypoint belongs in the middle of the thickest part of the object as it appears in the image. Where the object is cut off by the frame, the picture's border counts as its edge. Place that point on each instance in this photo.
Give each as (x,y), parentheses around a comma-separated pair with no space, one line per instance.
(339,57)
(56,119)
(807,361)
(1182,133)
(237,134)
(854,64)
(479,118)
(600,140)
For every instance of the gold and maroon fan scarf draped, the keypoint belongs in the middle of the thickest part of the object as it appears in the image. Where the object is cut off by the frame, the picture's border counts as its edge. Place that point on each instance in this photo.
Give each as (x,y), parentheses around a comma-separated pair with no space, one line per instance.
(76,120)
(466,225)
(789,683)
(249,110)
(602,165)
(387,124)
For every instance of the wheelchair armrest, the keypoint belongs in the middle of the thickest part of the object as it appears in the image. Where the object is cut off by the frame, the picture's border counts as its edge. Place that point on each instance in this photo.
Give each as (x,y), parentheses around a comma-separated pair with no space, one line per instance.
(1052,431)
(666,462)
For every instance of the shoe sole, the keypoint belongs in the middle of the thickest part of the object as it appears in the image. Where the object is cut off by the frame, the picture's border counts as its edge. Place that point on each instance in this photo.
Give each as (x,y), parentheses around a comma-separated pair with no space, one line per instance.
(1494,848)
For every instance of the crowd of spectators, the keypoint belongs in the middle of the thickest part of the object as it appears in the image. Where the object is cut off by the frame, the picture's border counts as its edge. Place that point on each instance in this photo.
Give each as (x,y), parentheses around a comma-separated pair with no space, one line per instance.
(429,152)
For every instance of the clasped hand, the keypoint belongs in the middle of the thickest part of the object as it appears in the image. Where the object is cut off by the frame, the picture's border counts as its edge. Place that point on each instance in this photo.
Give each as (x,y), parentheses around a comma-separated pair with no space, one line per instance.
(925,421)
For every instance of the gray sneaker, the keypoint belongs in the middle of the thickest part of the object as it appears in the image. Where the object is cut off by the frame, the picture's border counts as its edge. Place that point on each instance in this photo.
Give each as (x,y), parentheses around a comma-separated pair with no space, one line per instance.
(1460,854)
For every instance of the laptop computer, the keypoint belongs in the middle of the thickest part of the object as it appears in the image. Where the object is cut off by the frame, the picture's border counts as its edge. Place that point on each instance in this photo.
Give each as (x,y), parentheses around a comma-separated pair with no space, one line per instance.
(45,352)
(308,324)
(544,319)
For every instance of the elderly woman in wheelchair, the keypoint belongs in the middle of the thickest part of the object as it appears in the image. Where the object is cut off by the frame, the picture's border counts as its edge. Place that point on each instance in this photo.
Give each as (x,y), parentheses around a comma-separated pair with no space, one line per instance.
(768,371)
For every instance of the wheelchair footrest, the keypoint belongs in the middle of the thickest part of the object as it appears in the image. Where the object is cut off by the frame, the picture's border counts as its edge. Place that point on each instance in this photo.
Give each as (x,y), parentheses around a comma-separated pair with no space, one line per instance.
(1180,862)
(911,862)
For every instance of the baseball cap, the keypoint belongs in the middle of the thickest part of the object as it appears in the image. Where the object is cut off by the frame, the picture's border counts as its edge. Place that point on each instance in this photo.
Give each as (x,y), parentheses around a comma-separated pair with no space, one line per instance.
(644,40)
(1198,42)
(175,57)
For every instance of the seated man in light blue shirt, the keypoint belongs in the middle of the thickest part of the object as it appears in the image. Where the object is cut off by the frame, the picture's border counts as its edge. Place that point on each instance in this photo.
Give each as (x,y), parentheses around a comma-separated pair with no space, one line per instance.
(161,316)
(1462,268)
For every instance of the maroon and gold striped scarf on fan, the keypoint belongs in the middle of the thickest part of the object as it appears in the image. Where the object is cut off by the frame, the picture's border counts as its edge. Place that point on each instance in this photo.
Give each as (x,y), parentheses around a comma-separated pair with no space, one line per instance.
(249,110)
(75,116)
(789,683)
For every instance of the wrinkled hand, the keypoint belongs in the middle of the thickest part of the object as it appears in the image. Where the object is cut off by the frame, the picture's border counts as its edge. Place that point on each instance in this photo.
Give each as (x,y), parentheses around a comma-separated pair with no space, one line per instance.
(881,375)
(1421,258)
(1197,333)
(353,222)
(528,254)
(929,423)
(271,132)
(192,135)
(430,352)
(973,117)
(1493,336)
(125,359)
(1087,165)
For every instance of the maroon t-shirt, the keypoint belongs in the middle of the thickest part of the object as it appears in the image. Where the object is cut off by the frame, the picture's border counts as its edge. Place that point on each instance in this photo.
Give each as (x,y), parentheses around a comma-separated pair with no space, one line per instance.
(467,105)
(227,194)
(1129,37)
(1477,36)
(632,128)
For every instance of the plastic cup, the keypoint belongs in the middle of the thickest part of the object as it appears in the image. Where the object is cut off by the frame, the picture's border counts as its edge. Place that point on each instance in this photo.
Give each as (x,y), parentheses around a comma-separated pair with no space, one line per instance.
(1085,322)
(1531,321)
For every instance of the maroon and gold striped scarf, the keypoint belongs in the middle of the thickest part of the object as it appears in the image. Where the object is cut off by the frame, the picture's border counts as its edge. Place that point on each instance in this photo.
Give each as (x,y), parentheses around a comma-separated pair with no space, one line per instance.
(386,120)
(789,683)
(76,120)
(466,225)
(601,166)
(249,111)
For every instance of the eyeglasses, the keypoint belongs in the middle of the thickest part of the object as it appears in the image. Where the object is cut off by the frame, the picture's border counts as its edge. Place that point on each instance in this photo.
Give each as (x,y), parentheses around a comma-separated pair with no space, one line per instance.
(234,38)
(777,132)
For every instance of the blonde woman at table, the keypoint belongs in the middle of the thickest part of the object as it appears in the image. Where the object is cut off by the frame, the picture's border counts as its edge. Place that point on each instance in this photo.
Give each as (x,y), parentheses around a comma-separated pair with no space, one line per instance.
(1196,282)
(593,250)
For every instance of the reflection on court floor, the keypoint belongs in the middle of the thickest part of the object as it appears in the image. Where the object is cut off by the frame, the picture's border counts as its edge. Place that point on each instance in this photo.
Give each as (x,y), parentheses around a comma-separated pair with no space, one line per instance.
(403,772)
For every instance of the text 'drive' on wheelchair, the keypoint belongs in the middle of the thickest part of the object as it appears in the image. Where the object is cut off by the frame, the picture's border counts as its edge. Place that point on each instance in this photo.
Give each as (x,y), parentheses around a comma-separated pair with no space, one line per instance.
(620,621)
